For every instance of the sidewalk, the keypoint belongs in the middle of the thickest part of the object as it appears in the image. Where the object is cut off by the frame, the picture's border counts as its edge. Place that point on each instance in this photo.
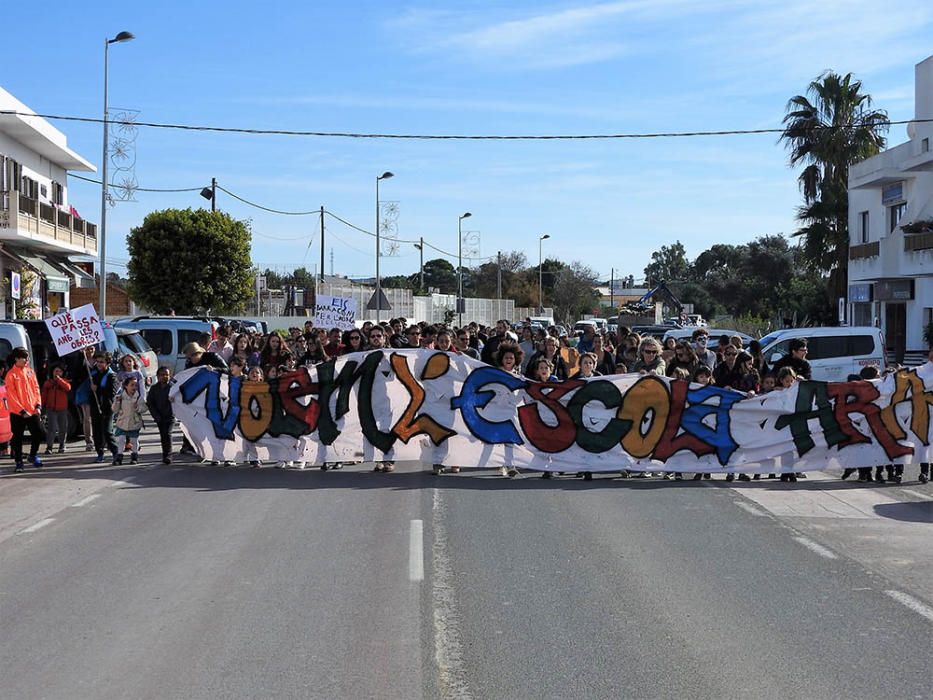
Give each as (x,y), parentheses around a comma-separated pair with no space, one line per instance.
(36,494)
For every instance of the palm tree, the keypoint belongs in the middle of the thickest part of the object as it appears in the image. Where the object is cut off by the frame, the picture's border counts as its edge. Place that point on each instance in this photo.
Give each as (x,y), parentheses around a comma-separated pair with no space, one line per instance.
(830,128)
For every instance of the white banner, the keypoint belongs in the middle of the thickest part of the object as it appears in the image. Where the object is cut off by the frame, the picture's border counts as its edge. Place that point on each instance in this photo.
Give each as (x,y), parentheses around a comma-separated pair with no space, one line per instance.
(75,329)
(334,312)
(449,409)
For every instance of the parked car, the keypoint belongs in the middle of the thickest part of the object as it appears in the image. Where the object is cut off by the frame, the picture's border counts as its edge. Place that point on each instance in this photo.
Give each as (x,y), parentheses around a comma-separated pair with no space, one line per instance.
(13,335)
(834,353)
(168,335)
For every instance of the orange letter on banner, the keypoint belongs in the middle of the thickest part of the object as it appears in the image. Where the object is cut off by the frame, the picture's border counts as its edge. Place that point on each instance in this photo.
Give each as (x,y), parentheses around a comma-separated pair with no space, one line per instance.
(920,401)
(647,399)
(254,427)
(411,424)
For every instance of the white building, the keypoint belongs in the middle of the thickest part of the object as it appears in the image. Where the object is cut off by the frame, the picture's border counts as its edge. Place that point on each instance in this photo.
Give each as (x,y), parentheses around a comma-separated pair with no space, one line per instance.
(890,269)
(39,230)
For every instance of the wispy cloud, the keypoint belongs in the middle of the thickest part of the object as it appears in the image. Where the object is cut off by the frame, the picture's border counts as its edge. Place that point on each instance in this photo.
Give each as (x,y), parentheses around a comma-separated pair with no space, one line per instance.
(572,36)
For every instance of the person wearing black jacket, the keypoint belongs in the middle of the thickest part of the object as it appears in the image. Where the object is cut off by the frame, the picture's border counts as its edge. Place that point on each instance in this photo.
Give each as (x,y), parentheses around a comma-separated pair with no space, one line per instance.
(160,408)
(103,389)
(796,359)
(728,373)
(488,355)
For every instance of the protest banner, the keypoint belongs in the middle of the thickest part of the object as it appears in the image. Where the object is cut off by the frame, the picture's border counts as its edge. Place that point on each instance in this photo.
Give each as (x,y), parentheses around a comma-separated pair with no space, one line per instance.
(450,409)
(75,329)
(334,312)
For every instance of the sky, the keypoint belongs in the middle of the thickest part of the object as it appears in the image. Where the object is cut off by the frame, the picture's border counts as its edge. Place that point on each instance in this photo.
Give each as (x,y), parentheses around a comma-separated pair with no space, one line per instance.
(472,67)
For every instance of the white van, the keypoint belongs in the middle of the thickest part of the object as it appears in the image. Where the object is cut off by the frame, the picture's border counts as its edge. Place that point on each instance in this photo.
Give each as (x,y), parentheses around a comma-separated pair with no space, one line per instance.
(834,353)
(168,335)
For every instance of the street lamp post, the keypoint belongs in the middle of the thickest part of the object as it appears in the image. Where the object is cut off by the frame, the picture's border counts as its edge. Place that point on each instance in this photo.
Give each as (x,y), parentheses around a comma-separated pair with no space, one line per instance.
(102,239)
(420,247)
(385,176)
(460,303)
(541,273)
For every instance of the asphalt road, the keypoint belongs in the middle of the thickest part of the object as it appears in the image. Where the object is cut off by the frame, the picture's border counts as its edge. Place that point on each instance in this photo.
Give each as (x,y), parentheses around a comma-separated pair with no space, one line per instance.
(194,581)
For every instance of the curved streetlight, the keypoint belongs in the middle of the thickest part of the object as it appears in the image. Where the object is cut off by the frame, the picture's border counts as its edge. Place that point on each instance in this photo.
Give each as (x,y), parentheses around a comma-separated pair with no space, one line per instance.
(540,272)
(460,302)
(385,176)
(102,238)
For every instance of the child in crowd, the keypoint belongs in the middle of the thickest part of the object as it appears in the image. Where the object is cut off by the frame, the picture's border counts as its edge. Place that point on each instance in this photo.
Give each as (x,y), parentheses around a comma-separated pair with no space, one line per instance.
(55,400)
(702,375)
(160,408)
(255,376)
(128,417)
(129,368)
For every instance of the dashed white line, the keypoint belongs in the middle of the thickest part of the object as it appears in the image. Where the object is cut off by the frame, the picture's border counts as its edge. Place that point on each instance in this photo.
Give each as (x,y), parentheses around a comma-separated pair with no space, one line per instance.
(84,501)
(918,494)
(816,548)
(909,601)
(37,526)
(416,551)
(748,508)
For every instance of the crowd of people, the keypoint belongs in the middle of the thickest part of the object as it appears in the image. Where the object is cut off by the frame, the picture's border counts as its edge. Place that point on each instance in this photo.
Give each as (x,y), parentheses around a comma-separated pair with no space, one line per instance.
(112,400)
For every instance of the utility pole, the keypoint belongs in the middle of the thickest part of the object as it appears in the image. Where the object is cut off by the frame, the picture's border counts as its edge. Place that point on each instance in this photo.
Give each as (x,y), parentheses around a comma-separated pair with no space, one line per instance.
(499,275)
(612,281)
(213,194)
(322,248)
(421,264)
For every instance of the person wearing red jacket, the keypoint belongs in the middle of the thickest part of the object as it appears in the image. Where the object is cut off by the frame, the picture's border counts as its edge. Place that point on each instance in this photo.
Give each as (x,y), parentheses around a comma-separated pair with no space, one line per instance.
(22,390)
(55,400)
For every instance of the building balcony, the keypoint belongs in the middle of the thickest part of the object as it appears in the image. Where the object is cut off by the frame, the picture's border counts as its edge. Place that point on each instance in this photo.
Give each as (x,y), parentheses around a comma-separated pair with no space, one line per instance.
(30,222)
(914,242)
(864,250)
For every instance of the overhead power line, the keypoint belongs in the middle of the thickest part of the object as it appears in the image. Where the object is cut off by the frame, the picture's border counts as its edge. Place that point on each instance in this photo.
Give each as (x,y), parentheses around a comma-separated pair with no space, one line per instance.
(140,189)
(449,137)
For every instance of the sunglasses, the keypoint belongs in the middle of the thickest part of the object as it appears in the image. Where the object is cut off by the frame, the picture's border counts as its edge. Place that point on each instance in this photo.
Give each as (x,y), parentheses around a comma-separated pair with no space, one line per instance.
(649,352)
(731,354)
(355,337)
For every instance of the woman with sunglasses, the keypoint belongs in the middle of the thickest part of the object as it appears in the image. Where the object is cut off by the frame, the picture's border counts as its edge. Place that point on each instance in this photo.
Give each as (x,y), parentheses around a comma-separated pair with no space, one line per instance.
(353,341)
(649,358)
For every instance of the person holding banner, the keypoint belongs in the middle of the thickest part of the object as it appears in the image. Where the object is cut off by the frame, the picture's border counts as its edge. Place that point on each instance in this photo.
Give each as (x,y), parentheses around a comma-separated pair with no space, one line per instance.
(81,382)
(23,397)
(103,381)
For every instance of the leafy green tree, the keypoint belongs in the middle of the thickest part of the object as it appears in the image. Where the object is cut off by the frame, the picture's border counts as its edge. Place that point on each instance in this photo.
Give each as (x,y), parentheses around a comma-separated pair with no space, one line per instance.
(441,274)
(669,264)
(190,260)
(826,130)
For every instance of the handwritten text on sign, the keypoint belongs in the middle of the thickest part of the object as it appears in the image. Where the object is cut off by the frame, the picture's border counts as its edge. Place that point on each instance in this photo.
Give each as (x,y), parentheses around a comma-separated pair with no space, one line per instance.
(335,312)
(76,329)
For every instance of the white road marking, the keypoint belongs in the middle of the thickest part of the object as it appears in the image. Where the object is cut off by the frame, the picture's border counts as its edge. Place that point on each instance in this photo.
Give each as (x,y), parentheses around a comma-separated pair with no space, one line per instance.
(912,603)
(416,551)
(37,526)
(749,508)
(918,494)
(448,649)
(84,501)
(816,548)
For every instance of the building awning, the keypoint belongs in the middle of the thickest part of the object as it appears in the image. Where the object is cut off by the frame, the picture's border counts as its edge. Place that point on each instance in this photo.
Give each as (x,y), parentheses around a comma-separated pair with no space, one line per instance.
(56,279)
(83,280)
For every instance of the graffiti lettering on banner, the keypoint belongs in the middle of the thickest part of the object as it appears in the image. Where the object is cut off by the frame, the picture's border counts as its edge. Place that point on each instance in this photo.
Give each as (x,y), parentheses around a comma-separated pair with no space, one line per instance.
(449,409)
(75,329)
(335,312)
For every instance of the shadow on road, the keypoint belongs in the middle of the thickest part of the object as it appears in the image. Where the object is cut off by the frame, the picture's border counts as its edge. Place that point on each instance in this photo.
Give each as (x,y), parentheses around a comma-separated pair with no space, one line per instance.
(150,473)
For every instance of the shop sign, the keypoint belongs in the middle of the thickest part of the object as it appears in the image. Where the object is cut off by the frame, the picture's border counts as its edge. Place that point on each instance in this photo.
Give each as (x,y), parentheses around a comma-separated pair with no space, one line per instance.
(894,290)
